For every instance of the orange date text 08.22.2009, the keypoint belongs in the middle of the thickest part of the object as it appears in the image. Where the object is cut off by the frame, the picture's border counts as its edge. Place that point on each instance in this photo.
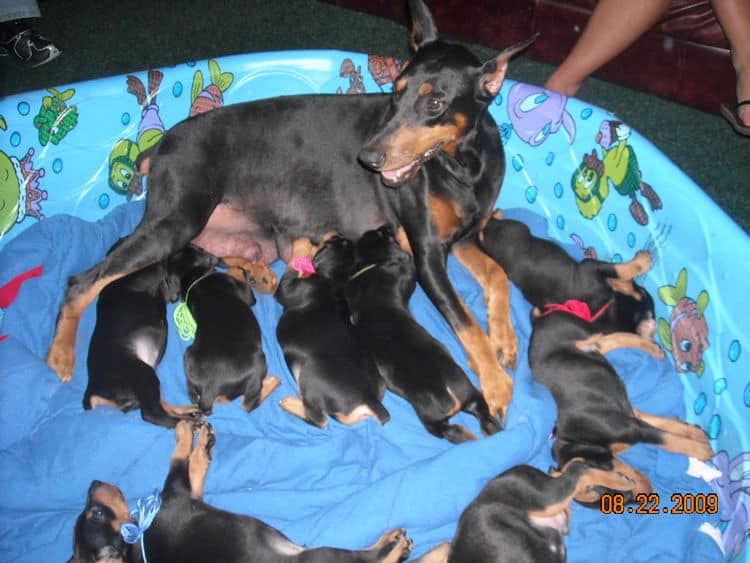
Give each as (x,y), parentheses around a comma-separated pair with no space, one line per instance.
(650,504)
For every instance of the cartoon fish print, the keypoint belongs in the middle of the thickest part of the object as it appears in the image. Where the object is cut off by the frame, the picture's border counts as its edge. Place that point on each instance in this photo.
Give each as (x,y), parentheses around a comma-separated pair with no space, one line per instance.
(618,167)
(384,70)
(55,118)
(537,113)
(20,191)
(348,70)
(124,178)
(212,96)
(685,334)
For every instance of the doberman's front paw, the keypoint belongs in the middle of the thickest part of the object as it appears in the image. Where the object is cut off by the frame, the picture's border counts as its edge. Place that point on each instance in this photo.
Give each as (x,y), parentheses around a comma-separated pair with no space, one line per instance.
(206,437)
(506,347)
(498,396)
(61,359)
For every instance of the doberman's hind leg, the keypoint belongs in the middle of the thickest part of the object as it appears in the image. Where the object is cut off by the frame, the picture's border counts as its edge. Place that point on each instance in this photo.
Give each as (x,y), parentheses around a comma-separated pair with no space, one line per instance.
(603,343)
(678,436)
(438,554)
(392,547)
(300,409)
(200,459)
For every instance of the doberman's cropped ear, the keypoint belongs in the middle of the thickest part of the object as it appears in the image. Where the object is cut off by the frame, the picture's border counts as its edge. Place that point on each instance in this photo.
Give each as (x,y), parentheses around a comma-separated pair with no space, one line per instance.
(493,71)
(423,29)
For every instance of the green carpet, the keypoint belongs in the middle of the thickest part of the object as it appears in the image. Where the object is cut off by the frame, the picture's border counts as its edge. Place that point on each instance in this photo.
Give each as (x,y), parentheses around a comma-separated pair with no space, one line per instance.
(108,38)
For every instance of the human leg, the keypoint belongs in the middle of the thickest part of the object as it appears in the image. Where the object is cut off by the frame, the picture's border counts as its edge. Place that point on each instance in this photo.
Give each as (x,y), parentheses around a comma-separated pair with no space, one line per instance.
(613,26)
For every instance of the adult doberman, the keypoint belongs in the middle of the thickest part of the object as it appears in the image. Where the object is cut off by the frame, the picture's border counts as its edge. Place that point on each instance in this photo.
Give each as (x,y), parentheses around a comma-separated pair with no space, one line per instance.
(247,179)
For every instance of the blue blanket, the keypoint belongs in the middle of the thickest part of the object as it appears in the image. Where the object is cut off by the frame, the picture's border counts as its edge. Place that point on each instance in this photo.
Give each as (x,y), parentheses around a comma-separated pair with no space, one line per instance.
(340,486)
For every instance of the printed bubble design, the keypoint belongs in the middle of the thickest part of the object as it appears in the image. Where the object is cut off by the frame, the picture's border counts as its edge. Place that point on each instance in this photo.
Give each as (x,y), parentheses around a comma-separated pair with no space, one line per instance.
(549,159)
(15,139)
(103,201)
(700,404)
(631,240)
(714,427)
(23,108)
(517,162)
(57,165)
(734,350)
(586,113)
(720,385)
(531,194)
(558,190)
(177,89)
(747,395)
(125,118)
(612,222)
(560,222)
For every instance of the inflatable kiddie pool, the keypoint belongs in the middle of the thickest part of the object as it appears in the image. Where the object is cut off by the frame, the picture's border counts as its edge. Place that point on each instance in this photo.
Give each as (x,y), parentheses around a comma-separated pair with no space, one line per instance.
(575,174)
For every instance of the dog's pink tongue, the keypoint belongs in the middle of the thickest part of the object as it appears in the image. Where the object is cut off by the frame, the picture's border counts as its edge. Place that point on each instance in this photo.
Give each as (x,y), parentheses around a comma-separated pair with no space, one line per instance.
(398,173)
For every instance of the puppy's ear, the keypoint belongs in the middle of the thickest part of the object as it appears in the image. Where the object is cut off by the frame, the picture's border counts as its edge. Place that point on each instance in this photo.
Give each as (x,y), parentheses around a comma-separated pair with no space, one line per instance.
(493,71)
(423,29)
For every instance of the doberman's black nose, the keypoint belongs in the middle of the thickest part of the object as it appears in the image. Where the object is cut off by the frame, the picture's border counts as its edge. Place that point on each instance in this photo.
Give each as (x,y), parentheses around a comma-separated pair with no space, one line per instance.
(371,158)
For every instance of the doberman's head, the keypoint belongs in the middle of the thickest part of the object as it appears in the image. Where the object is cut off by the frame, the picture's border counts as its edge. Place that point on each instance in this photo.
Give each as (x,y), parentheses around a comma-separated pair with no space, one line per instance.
(379,246)
(436,103)
(334,259)
(185,266)
(96,538)
(635,313)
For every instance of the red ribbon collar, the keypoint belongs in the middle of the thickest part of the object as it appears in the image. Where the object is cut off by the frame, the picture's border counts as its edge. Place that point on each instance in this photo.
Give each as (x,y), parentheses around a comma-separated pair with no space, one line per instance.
(576,308)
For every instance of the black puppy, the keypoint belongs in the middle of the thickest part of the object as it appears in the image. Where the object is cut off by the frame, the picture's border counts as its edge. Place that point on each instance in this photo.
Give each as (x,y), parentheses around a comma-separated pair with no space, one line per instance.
(334,373)
(187,530)
(595,419)
(226,359)
(413,363)
(127,344)
(621,311)
(521,515)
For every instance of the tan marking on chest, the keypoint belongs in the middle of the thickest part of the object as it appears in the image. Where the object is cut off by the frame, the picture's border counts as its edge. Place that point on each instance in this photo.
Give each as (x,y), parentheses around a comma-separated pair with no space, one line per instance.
(445,215)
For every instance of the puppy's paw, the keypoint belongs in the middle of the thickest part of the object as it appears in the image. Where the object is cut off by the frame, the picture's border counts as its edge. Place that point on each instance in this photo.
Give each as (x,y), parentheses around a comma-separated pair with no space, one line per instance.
(394,546)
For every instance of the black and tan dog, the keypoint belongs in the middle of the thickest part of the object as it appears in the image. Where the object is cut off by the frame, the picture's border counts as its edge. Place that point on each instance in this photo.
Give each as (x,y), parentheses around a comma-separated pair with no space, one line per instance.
(413,363)
(334,373)
(248,179)
(595,418)
(127,344)
(622,312)
(522,515)
(188,530)
(226,359)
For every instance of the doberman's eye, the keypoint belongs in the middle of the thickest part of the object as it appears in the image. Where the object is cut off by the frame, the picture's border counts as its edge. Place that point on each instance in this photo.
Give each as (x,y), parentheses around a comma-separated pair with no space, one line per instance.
(434,105)
(97,513)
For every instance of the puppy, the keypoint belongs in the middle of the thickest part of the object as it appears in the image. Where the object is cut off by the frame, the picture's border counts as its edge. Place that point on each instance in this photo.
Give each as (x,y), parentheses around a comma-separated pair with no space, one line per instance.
(127,344)
(621,311)
(335,375)
(414,364)
(188,530)
(595,419)
(522,515)
(226,359)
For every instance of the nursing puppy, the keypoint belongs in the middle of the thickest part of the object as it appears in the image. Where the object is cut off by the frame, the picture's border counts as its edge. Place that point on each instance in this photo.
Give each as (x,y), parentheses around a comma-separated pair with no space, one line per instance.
(127,344)
(335,375)
(413,363)
(226,359)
